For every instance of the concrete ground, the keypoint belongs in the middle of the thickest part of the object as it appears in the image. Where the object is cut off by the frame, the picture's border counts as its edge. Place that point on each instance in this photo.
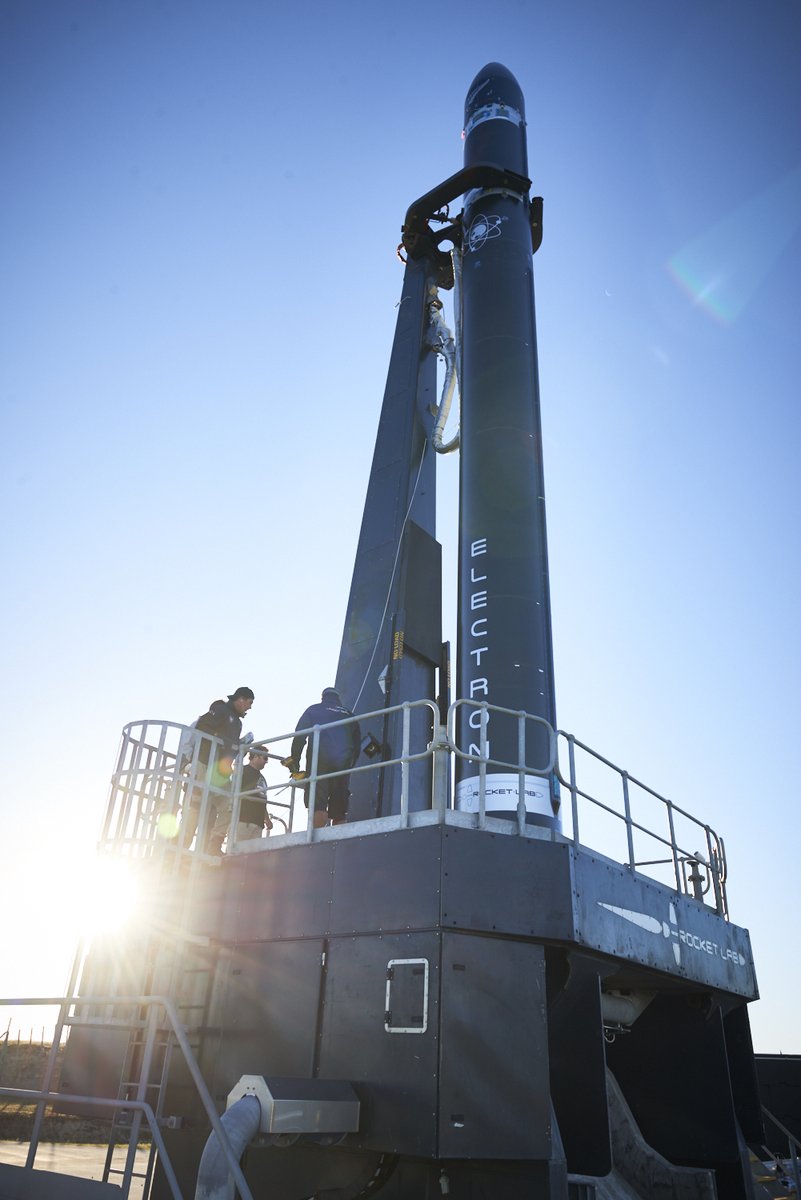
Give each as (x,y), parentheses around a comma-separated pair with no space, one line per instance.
(84,1161)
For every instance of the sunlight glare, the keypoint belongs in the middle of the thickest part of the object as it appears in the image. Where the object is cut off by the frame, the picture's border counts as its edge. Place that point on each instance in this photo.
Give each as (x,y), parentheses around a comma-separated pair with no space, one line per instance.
(106,897)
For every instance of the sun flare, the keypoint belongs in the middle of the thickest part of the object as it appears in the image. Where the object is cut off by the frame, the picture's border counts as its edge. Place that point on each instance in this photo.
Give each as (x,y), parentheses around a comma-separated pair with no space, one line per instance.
(107,896)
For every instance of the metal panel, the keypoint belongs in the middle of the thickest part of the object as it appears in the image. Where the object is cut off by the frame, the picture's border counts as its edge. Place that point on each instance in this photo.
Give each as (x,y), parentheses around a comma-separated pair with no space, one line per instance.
(743,1074)
(578,1066)
(390,881)
(494,1091)
(422,569)
(673,1072)
(94,1061)
(641,921)
(263,1014)
(94,1057)
(216,898)
(402,485)
(286,894)
(397,1071)
(506,884)
(779,1078)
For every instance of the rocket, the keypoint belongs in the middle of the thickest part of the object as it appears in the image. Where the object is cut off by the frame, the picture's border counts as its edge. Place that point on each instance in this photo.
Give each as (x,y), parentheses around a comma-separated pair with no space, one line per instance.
(504,648)
(392,630)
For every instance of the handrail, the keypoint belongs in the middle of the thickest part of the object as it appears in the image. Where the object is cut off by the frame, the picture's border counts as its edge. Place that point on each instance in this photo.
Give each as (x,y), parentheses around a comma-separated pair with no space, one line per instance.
(144,1000)
(523,717)
(147,784)
(793,1142)
(714,863)
(97,1102)
(147,770)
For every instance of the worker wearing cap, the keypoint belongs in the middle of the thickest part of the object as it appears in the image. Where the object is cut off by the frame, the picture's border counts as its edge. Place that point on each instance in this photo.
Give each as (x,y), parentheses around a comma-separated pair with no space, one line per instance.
(253,815)
(224,721)
(338,750)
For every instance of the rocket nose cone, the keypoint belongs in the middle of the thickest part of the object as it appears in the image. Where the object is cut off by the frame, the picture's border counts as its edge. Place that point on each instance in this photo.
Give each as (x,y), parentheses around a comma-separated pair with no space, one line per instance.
(494,84)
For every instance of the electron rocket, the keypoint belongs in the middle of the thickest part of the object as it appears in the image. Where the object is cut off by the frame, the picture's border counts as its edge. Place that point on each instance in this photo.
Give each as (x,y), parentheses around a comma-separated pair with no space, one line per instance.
(504,653)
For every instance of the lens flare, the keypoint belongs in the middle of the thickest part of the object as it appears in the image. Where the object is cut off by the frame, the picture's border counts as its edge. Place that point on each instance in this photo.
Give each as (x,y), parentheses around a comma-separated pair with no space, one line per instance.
(167,826)
(722,268)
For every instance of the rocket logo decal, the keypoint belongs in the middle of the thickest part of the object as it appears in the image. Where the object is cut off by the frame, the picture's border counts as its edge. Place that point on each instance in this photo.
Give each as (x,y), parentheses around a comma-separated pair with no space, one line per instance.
(481,229)
(679,937)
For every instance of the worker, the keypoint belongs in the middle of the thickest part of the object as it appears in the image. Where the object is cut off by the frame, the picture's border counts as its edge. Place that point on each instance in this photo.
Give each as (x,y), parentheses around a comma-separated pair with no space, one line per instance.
(224,721)
(253,815)
(338,750)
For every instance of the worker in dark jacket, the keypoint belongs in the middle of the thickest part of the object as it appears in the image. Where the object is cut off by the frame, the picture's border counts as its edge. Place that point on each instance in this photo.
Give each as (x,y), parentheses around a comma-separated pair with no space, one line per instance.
(338,750)
(224,721)
(253,815)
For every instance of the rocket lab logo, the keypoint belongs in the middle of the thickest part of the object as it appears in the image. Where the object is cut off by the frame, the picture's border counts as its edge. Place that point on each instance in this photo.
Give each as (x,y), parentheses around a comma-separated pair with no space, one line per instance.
(481,230)
(678,937)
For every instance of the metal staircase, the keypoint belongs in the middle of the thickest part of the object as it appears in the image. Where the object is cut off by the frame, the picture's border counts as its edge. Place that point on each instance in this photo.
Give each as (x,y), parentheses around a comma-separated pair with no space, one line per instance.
(776,1173)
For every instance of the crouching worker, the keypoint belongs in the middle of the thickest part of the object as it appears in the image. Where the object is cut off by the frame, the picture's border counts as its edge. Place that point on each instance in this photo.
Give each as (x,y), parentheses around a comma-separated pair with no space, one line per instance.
(338,751)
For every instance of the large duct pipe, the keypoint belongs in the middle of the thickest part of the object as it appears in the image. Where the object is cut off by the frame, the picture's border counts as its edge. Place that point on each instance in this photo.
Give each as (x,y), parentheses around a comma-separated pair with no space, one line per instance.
(241,1124)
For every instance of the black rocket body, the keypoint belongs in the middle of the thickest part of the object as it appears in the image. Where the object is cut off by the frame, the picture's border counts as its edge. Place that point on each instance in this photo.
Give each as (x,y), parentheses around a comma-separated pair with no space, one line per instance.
(504,654)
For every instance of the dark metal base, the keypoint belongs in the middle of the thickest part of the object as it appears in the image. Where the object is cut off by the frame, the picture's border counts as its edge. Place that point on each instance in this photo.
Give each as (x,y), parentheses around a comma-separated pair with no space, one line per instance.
(456,979)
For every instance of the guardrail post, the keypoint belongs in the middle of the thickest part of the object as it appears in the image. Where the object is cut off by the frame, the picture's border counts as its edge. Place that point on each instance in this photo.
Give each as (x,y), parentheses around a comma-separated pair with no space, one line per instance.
(624,775)
(673,848)
(482,767)
(404,800)
(571,751)
(715,872)
(521,775)
(439,775)
(315,754)
(236,797)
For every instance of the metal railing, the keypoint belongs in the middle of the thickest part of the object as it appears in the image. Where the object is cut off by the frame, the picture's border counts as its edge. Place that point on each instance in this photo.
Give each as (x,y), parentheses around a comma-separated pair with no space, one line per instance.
(694,871)
(139,1107)
(794,1146)
(520,766)
(152,787)
(314,733)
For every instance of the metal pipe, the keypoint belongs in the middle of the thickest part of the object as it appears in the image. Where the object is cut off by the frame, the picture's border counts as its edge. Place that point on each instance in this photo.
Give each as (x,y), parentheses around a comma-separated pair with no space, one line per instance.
(25,1095)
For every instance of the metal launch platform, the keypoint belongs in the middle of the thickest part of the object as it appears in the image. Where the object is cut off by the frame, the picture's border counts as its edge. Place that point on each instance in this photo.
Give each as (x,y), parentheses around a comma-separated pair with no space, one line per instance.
(509,1006)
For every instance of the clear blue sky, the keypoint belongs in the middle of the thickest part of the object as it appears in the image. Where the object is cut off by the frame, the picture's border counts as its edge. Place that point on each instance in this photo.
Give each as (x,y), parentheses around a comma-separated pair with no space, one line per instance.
(199,212)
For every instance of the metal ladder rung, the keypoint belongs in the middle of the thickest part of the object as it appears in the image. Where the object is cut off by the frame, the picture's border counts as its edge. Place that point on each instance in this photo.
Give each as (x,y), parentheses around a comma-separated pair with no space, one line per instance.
(121,1171)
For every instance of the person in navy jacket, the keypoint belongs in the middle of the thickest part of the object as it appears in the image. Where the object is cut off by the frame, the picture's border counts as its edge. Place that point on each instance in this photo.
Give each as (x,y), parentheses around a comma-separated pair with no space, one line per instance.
(338,750)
